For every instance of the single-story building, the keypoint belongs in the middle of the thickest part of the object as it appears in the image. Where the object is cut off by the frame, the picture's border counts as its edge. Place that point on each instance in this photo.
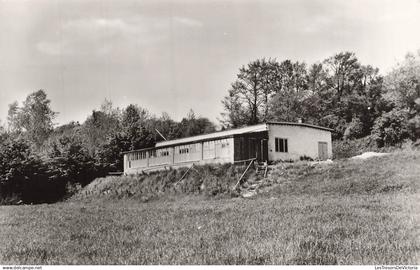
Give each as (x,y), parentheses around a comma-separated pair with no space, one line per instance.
(271,141)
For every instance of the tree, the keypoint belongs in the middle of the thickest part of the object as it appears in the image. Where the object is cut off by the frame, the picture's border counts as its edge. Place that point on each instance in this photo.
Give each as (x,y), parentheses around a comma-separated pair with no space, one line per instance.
(402,92)
(350,94)
(3,133)
(344,70)
(34,119)
(24,176)
(165,125)
(235,114)
(193,125)
(14,125)
(134,127)
(248,99)
(100,126)
(402,85)
(133,134)
(391,128)
(110,154)
(70,161)
(290,85)
(354,129)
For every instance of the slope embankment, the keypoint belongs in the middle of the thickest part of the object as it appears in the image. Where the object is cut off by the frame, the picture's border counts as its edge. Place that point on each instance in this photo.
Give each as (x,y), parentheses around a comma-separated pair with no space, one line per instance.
(397,171)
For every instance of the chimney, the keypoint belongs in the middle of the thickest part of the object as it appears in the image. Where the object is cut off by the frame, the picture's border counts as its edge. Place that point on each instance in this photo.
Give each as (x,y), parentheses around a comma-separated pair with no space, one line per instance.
(300,120)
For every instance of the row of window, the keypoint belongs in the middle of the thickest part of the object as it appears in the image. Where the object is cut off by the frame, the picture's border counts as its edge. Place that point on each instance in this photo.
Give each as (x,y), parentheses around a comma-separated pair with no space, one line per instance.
(143,155)
(138,155)
(211,144)
(281,145)
(184,150)
(160,153)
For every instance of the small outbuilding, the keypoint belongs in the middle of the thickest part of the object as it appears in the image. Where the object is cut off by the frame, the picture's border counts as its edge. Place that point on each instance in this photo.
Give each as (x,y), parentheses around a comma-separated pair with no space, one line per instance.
(271,141)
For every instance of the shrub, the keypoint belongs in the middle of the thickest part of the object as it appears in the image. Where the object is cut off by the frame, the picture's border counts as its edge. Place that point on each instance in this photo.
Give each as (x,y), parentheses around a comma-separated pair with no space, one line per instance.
(354,130)
(71,161)
(391,128)
(414,127)
(23,175)
(349,148)
(305,158)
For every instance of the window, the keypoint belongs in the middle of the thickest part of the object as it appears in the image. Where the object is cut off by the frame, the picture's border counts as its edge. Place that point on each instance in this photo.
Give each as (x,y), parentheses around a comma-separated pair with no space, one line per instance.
(281,145)
(184,150)
(224,143)
(208,145)
(138,155)
(164,153)
(152,153)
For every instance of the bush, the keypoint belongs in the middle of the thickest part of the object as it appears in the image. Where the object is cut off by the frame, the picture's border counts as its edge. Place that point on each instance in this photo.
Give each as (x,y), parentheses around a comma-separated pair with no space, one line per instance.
(305,158)
(354,130)
(23,175)
(71,161)
(414,127)
(26,177)
(350,148)
(391,128)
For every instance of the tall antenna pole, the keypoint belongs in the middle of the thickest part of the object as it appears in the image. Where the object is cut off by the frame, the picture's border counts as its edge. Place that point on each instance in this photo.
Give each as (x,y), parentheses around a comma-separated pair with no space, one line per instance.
(160,134)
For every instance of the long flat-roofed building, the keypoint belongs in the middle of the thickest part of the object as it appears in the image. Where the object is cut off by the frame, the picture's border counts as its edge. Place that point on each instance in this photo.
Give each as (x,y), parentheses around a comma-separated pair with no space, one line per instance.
(271,141)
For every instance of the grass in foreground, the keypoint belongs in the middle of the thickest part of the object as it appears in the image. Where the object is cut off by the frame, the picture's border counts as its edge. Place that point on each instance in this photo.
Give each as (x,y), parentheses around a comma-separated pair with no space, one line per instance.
(349,212)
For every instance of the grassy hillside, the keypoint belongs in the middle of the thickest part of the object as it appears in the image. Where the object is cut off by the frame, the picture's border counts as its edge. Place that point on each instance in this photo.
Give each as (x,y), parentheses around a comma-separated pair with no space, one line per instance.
(347,212)
(210,180)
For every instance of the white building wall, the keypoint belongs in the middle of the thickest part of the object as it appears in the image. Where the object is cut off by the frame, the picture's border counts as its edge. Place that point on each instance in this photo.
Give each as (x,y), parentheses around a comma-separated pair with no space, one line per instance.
(216,151)
(302,141)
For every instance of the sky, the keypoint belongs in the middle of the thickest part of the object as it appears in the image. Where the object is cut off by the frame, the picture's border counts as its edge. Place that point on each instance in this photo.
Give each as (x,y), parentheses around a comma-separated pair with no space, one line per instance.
(173,56)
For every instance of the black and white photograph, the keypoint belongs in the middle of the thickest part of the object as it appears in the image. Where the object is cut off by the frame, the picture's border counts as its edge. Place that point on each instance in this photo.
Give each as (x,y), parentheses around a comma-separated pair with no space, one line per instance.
(210,133)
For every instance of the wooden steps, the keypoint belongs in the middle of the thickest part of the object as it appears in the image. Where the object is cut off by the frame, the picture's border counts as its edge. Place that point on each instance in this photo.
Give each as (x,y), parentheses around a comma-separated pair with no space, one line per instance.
(249,188)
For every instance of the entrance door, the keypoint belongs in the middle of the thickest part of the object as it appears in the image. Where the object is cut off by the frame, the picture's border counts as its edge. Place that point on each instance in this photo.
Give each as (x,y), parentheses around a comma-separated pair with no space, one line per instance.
(262,150)
(322,150)
(252,148)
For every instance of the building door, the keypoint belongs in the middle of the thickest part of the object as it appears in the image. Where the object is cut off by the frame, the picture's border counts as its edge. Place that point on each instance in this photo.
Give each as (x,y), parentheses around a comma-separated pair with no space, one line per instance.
(262,150)
(322,150)
(252,148)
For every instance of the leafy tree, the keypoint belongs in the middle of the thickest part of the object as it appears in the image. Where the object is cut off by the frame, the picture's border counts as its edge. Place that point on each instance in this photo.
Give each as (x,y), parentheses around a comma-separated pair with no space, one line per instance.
(133,134)
(235,114)
(13,118)
(355,129)
(317,102)
(69,160)
(165,125)
(99,126)
(344,71)
(291,82)
(402,85)
(414,126)
(3,133)
(248,99)
(34,119)
(110,154)
(24,175)
(192,125)
(391,128)
(134,127)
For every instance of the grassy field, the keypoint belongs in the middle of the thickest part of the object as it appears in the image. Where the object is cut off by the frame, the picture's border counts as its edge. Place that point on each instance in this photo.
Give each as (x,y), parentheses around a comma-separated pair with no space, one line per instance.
(348,212)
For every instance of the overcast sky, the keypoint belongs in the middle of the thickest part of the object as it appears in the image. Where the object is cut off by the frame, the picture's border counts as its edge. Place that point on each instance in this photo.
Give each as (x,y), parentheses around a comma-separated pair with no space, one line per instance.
(175,55)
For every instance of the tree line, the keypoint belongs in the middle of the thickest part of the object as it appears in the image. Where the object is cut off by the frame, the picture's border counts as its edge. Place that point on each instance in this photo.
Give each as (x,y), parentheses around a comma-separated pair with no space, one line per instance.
(339,92)
(42,162)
